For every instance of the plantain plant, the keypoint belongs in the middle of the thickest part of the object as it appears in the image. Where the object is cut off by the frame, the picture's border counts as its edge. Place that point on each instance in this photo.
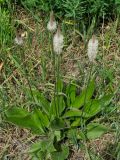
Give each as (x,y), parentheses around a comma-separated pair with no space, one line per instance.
(70,123)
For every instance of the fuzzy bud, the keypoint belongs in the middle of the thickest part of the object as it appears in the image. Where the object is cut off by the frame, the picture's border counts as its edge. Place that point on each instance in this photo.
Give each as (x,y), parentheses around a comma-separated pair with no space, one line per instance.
(18,39)
(52,25)
(58,42)
(92,48)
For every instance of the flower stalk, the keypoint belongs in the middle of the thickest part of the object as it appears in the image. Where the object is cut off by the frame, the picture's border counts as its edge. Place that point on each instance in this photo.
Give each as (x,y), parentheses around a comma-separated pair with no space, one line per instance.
(58,42)
(52,25)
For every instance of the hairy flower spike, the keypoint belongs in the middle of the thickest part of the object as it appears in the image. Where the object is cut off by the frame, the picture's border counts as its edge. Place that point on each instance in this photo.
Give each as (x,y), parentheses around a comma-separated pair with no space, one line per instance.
(58,41)
(92,48)
(52,25)
(18,39)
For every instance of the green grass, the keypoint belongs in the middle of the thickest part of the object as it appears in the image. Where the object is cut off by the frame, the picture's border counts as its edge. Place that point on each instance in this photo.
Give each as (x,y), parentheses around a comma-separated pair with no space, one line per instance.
(30,66)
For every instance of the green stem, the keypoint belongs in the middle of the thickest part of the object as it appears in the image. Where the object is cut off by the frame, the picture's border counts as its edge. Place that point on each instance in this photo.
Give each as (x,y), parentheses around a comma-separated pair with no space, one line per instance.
(89,78)
(83,127)
(57,81)
(54,60)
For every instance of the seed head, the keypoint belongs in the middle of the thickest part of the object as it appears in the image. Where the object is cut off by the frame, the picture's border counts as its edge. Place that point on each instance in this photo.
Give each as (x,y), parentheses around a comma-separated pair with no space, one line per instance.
(18,39)
(92,48)
(58,41)
(52,25)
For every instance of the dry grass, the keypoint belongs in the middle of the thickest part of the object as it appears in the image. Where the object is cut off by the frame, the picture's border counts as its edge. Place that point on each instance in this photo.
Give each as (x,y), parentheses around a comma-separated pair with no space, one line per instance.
(101,147)
(14,143)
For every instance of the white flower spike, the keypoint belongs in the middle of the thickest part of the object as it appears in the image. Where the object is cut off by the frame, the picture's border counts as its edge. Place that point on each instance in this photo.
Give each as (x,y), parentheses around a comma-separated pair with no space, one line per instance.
(52,25)
(18,39)
(58,42)
(92,48)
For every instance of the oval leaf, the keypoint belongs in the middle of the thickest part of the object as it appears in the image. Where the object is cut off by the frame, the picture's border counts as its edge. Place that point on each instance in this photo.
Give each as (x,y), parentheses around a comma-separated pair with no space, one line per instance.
(95,130)
(85,95)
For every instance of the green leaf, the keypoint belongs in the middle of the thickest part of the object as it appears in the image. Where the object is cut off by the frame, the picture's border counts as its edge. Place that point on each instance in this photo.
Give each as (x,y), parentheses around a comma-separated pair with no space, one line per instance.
(58,135)
(16,112)
(53,112)
(72,136)
(95,130)
(44,145)
(36,124)
(93,107)
(57,103)
(85,95)
(105,100)
(74,113)
(22,118)
(81,135)
(59,85)
(76,122)
(61,105)
(43,118)
(47,145)
(39,155)
(58,124)
(71,93)
(61,155)
(39,98)
(35,147)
